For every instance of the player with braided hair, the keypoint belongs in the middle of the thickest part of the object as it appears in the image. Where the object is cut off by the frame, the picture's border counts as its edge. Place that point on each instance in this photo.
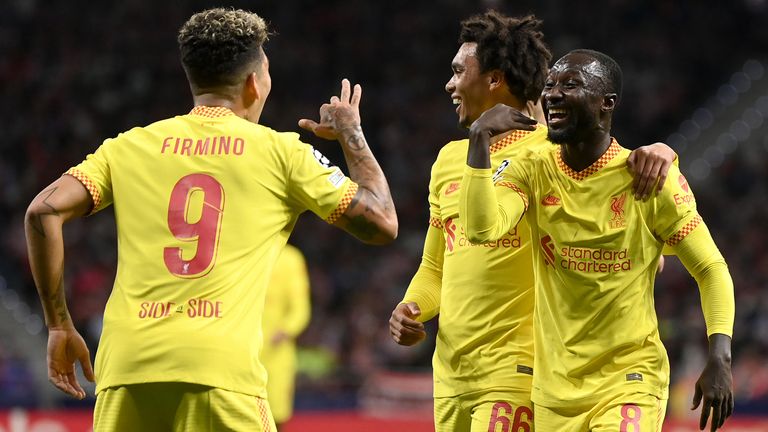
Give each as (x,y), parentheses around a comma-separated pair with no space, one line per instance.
(600,364)
(514,46)
(483,360)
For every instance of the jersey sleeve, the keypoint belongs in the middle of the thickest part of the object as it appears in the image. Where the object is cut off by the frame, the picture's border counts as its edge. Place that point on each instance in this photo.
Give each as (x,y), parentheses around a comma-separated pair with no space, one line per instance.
(426,286)
(95,174)
(675,214)
(491,204)
(317,185)
(700,256)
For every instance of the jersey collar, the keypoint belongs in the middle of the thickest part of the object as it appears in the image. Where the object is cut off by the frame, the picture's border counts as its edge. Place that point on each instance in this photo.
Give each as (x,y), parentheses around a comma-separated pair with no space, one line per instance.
(609,154)
(513,137)
(211,111)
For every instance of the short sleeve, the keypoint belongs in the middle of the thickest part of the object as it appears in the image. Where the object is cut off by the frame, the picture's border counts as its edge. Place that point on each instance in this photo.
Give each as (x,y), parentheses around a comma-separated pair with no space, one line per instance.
(675,213)
(95,174)
(317,185)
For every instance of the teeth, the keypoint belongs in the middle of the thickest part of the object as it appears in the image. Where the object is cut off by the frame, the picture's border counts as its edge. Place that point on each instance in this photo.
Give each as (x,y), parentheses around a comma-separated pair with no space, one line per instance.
(557,111)
(456,101)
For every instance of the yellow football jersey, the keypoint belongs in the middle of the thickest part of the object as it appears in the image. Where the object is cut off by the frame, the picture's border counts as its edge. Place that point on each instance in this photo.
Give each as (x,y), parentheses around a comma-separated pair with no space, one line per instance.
(485,336)
(596,330)
(204,203)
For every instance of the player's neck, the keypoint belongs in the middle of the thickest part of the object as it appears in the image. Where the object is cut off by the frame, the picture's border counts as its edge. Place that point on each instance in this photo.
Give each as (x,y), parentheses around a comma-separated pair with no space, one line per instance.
(580,154)
(527,108)
(218,100)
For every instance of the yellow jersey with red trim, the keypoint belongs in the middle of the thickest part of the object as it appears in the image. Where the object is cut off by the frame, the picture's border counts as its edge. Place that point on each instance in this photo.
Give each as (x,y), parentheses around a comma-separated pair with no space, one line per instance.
(598,248)
(204,204)
(485,336)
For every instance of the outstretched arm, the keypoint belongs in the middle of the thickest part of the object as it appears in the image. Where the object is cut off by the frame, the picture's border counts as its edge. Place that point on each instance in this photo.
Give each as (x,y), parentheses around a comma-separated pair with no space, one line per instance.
(63,200)
(422,299)
(699,254)
(371,215)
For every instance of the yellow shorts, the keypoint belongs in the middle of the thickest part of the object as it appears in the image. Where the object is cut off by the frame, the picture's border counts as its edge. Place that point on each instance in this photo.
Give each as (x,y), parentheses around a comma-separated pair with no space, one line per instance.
(179,407)
(495,410)
(627,412)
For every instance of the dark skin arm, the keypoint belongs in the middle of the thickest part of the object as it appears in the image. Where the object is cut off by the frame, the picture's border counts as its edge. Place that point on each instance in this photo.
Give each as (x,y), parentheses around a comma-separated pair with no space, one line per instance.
(715,385)
(650,165)
(371,215)
(499,119)
(64,200)
(403,327)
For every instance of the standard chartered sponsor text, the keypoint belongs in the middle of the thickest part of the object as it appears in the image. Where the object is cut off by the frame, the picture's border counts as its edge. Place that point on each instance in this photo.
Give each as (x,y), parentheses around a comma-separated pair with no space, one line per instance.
(591,260)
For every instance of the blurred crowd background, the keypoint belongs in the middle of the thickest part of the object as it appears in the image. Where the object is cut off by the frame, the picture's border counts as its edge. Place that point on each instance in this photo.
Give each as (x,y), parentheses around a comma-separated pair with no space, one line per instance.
(74,73)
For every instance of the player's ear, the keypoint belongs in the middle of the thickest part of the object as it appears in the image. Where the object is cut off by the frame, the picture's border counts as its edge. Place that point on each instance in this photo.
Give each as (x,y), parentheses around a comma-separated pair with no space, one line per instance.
(609,102)
(496,79)
(251,91)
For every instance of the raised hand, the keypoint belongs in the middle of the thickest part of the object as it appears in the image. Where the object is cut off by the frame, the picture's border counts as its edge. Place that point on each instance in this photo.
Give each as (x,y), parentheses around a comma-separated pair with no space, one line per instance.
(403,327)
(650,165)
(65,347)
(501,118)
(342,113)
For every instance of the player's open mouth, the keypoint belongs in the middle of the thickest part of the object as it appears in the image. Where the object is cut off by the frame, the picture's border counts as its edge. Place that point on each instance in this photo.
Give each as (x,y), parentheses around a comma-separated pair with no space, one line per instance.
(457,102)
(556,116)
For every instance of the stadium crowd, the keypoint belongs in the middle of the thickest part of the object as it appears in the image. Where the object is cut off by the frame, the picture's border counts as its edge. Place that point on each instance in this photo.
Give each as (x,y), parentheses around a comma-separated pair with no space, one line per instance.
(77,72)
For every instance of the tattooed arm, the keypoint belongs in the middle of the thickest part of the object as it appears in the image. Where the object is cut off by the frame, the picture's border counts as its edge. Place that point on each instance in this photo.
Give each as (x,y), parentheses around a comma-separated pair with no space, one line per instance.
(371,215)
(64,199)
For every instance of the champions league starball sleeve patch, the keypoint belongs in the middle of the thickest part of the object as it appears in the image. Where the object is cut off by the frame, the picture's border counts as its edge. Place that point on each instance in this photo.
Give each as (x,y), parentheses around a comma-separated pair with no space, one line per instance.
(504,164)
(336,177)
(322,160)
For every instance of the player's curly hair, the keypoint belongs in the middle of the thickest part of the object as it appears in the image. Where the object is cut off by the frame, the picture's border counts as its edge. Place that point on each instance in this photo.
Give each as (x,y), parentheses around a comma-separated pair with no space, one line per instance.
(218,46)
(512,45)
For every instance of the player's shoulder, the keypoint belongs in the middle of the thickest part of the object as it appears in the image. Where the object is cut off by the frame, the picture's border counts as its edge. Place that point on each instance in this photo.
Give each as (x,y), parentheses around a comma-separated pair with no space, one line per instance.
(452,150)
(278,142)
(451,155)
(615,158)
(290,140)
(676,184)
(139,136)
(534,144)
(153,127)
(537,139)
(265,133)
(619,151)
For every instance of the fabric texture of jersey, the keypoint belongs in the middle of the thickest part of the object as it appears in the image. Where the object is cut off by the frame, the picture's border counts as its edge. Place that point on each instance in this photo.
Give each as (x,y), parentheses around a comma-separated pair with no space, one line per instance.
(204,203)
(287,311)
(485,336)
(598,248)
